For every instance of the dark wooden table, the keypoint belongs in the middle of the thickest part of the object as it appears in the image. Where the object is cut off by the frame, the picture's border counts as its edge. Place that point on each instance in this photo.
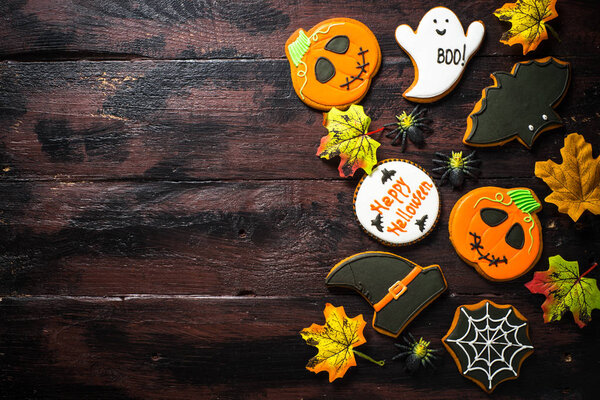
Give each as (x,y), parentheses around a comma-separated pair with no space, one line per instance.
(166,228)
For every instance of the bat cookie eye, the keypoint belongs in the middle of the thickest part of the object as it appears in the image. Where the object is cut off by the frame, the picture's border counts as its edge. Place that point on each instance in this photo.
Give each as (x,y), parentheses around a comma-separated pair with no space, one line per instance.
(324,70)
(446,21)
(338,44)
(493,216)
(515,237)
(435,21)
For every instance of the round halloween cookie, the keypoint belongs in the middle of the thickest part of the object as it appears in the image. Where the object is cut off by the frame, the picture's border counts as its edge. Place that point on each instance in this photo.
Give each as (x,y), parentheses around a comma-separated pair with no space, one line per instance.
(333,63)
(488,342)
(439,50)
(497,231)
(398,203)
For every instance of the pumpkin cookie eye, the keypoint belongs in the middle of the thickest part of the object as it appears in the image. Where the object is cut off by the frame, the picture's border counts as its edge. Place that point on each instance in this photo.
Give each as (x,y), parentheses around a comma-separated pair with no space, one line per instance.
(493,216)
(338,44)
(515,237)
(324,70)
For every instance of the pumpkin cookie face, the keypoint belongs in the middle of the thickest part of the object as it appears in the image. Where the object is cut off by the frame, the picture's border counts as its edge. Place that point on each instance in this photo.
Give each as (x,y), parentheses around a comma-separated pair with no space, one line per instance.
(496,231)
(333,63)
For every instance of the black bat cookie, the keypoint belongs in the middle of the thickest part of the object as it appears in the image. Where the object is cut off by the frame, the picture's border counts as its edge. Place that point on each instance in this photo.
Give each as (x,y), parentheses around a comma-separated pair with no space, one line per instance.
(386,175)
(421,222)
(377,222)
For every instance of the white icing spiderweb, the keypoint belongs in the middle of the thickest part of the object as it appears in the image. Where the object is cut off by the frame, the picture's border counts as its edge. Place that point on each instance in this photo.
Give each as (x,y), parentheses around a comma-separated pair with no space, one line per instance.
(491,344)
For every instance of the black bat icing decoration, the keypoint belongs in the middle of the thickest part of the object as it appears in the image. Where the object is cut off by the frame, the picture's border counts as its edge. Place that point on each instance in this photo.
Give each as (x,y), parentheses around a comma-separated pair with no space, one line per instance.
(386,175)
(421,222)
(377,222)
(520,104)
(397,288)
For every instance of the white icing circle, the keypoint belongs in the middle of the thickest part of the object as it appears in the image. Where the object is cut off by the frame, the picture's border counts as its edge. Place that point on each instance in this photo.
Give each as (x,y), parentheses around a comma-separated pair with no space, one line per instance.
(440,49)
(399,194)
(531,128)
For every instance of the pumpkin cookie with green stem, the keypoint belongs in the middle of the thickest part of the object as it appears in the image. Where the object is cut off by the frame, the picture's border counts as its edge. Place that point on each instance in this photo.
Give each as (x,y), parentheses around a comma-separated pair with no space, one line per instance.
(497,231)
(333,63)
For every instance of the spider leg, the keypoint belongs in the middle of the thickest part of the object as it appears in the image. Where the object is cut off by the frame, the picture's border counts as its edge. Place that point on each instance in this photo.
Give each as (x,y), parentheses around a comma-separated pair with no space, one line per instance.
(412,338)
(467,168)
(414,110)
(393,123)
(472,162)
(470,174)
(397,356)
(444,177)
(398,137)
(439,168)
(401,346)
(429,362)
(403,146)
(392,133)
(469,156)
(445,162)
(442,155)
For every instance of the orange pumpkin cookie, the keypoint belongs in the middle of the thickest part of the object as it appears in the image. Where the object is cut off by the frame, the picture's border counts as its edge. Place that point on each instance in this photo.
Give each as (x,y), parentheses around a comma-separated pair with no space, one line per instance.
(496,231)
(333,63)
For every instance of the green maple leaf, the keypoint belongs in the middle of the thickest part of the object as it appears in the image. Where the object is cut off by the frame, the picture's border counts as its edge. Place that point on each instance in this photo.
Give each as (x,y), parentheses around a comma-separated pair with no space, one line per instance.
(566,290)
(348,139)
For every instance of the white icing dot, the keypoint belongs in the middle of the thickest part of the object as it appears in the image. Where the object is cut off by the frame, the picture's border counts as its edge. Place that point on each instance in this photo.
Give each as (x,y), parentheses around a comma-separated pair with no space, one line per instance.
(544,117)
(531,127)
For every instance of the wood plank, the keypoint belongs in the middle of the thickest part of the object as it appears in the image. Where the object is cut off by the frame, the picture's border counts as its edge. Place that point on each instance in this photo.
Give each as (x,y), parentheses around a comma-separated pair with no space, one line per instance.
(230,120)
(249,29)
(182,348)
(222,238)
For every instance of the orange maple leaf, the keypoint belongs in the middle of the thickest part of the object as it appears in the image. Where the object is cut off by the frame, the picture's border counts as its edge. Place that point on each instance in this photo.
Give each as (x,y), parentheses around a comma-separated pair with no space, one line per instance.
(336,341)
(528,22)
(575,183)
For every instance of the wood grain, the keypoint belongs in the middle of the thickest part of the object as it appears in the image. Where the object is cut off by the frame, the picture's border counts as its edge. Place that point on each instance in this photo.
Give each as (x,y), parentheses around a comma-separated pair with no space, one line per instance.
(193,347)
(166,228)
(251,29)
(207,120)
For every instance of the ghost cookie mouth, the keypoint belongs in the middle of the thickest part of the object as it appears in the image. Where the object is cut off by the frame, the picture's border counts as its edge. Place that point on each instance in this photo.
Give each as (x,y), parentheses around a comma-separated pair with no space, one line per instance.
(440,32)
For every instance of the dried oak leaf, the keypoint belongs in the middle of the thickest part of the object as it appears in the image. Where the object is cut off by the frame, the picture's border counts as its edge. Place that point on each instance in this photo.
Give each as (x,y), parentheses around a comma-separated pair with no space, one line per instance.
(528,22)
(348,138)
(566,290)
(335,341)
(575,183)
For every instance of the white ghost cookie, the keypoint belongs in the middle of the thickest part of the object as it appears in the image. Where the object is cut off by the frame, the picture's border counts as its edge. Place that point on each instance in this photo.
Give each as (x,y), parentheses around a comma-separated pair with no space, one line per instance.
(440,51)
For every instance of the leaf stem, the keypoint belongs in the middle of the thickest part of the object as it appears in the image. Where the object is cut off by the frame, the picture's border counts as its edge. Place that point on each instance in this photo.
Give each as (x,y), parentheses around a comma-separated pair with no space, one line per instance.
(553,32)
(594,265)
(378,130)
(366,357)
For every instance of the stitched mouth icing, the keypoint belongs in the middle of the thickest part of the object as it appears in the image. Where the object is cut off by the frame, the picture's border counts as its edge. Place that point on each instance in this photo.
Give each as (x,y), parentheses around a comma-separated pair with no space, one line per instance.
(441,32)
(361,68)
(490,258)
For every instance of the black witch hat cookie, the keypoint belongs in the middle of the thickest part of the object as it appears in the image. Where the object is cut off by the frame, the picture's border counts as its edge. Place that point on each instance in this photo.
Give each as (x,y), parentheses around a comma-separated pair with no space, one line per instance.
(398,203)
(397,288)
(520,104)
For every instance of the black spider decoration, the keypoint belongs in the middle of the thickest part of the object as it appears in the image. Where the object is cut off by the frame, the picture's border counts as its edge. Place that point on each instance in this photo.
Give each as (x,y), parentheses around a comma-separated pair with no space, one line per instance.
(416,353)
(410,125)
(455,167)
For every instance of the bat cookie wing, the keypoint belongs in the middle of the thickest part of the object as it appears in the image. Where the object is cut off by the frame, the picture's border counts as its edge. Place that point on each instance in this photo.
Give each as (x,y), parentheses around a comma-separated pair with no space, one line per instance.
(397,288)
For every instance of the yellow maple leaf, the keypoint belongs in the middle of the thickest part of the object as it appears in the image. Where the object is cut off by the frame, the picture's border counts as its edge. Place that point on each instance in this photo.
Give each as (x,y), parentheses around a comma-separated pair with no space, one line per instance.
(575,183)
(528,22)
(336,341)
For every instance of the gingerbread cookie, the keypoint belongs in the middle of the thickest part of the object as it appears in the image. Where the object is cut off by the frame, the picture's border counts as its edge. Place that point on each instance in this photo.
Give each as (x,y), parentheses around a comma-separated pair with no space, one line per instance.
(496,231)
(488,342)
(397,288)
(520,104)
(333,63)
(439,51)
(398,203)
